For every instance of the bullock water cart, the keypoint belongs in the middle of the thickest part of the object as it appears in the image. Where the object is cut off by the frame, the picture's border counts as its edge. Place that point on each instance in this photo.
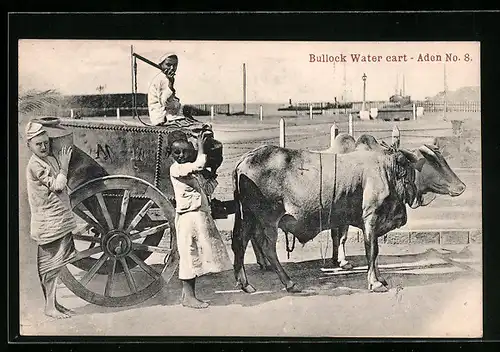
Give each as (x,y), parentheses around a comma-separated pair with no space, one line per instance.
(121,194)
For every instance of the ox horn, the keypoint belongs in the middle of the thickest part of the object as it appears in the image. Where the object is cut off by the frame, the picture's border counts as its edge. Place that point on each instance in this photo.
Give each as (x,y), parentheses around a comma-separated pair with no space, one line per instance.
(435,143)
(427,150)
(396,137)
(433,147)
(412,157)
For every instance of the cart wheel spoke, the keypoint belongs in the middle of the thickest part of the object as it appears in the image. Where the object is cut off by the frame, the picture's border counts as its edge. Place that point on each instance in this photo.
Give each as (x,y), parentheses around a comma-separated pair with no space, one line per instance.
(144,266)
(140,215)
(82,230)
(150,231)
(91,273)
(123,210)
(96,237)
(105,211)
(87,253)
(80,211)
(111,278)
(155,249)
(79,235)
(128,275)
(93,239)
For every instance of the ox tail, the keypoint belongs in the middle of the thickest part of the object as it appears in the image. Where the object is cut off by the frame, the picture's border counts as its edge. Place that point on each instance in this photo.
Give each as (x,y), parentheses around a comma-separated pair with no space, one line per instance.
(238,214)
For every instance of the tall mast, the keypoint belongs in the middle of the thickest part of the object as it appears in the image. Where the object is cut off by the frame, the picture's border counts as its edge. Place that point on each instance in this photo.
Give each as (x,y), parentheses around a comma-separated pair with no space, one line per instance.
(403,85)
(396,87)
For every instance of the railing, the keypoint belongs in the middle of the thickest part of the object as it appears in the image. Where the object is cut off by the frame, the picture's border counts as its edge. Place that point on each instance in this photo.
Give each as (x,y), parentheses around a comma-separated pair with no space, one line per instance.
(218,108)
(199,110)
(451,106)
(429,106)
(303,108)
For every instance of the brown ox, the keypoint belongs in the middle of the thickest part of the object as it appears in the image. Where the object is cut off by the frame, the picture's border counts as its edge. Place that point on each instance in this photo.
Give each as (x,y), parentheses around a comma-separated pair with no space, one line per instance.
(303,192)
(432,176)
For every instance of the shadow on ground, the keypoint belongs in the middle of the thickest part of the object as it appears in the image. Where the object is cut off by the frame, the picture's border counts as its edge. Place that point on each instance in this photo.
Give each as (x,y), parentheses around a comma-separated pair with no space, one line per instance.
(316,278)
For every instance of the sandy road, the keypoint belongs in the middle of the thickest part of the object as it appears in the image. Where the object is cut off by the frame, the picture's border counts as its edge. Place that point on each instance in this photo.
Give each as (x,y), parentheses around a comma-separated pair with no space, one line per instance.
(427,297)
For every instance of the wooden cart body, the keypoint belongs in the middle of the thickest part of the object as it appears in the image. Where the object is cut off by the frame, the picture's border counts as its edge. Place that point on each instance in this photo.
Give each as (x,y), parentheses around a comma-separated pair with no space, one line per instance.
(121,193)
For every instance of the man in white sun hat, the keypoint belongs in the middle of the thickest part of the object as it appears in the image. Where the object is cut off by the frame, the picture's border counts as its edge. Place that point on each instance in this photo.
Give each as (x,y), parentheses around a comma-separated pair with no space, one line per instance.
(52,221)
(163,104)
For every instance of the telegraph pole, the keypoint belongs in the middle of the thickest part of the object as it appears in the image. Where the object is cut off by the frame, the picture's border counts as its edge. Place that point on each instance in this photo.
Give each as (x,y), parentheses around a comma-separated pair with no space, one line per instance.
(445,94)
(344,93)
(244,89)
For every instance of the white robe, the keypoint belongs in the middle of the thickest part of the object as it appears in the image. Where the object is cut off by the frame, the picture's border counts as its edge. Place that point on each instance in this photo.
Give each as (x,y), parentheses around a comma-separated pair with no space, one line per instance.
(201,249)
(51,214)
(163,106)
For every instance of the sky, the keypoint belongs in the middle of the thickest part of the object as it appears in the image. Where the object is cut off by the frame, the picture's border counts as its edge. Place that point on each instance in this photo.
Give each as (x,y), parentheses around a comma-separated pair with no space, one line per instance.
(211,71)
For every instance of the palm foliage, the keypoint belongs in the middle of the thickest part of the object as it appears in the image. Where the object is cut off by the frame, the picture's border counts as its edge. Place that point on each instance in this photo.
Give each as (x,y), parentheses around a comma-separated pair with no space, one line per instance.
(33,100)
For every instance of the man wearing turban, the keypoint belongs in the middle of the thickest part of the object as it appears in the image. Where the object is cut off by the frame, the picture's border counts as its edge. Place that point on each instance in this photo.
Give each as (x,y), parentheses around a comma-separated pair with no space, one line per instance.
(163,104)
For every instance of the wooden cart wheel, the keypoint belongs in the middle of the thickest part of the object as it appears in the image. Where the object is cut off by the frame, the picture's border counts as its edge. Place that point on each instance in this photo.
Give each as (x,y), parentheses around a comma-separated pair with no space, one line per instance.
(126,244)
(113,206)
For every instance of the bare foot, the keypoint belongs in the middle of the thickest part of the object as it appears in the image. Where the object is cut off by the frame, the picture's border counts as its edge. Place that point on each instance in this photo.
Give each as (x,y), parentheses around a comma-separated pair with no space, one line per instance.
(377,286)
(194,303)
(63,309)
(292,287)
(54,313)
(345,265)
(248,288)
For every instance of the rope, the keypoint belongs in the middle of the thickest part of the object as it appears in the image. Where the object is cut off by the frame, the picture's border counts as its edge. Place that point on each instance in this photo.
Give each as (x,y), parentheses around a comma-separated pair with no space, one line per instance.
(322,253)
(323,256)
(134,87)
(288,249)
(320,193)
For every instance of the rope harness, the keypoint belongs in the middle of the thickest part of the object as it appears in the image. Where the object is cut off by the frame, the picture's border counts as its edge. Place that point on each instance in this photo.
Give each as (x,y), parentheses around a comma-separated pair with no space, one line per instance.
(287,241)
(330,213)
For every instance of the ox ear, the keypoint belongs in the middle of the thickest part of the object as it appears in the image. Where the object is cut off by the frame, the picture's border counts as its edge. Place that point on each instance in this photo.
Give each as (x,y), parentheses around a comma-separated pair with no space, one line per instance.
(412,157)
(427,198)
(419,164)
(435,144)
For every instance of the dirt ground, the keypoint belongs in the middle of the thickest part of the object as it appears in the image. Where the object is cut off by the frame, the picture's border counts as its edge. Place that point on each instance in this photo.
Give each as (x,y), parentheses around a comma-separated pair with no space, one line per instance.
(428,297)
(429,294)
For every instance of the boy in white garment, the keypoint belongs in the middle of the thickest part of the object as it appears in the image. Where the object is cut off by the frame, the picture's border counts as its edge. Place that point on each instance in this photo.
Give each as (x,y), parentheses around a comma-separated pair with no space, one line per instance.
(52,220)
(201,249)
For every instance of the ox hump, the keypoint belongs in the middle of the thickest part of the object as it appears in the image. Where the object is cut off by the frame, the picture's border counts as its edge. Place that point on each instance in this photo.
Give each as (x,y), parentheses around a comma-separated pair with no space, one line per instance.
(270,156)
(367,142)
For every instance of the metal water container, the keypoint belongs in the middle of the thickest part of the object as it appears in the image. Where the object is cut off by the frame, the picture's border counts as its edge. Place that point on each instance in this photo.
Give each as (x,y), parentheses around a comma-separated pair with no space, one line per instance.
(82,167)
(58,135)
